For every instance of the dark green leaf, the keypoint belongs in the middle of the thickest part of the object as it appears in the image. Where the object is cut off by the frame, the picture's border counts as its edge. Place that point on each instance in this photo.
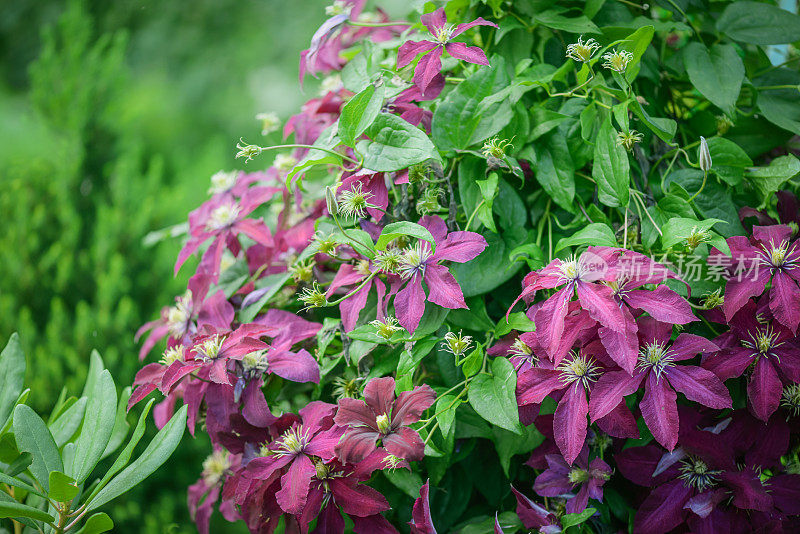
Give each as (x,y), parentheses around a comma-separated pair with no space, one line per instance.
(394,144)
(359,112)
(611,168)
(767,180)
(728,160)
(12,375)
(62,487)
(15,509)
(33,436)
(716,73)
(571,520)
(493,396)
(68,422)
(96,524)
(403,228)
(759,23)
(98,423)
(597,234)
(17,483)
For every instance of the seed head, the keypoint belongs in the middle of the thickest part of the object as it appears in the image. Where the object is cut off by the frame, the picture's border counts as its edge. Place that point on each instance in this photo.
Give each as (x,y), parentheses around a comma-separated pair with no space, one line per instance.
(354,202)
(313,297)
(456,344)
(629,139)
(496,147)
(790,399)
(582,51)
(617,60)
(713,299)
(248,152)
(697,474)
(389,261)
(386,328)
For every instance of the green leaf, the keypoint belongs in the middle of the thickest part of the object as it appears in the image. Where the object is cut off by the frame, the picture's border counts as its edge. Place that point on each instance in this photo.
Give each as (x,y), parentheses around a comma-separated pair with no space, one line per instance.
(663,128)
(677,229)
(97,523)
(768,180)
(403,228)
(597,234)
(571,520)
(611,169)
(358,239)
(759,23)
(728,160)
(62,487)
(716,73)
(406,481)
(636,43)
(509,444)
(17,483)
(781,106)
(359,112)
(493,396)
(98,423)
(96,367)
(472,363)
(12,376)
(394,144)
(121,425)
(125,455)
(446,407)
(19,464)
(552,19)
(15,509)
(516,321)
(554,170)
(157,452)
(459,122)
(68,422)
(33,436)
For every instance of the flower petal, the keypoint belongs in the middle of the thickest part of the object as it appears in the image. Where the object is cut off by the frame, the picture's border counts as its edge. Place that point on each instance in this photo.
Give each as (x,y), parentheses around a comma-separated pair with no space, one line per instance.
(443,288)
(610,390)
(764,389)
(784,300)
(428,67)
(700,386)
(549,319)
(660,411)
(404,443)
(421,520)
(470,54)
(379,395)
(356,445)
(409,405)
(480,21)
(297,366)
(663,509)
(357,499)
(663,304)
(411,49)
(535,384)
(294,485)
(600,303)
(434,21)
(409,304)
(569,422)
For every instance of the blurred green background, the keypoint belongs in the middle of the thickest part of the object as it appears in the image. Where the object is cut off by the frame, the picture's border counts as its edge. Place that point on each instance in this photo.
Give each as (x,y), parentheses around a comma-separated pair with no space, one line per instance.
(113,117)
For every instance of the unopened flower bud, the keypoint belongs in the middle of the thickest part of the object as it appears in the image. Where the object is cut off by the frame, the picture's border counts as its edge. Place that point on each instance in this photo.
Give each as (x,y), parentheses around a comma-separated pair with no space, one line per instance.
(704,155)
(330,201)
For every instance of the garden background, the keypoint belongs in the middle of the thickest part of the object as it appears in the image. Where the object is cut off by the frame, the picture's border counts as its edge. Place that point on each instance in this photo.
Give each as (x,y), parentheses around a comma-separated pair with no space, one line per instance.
(113,117)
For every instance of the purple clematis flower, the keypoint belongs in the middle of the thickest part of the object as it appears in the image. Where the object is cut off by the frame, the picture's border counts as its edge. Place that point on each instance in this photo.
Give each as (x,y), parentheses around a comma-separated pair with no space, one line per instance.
(577,275)
(421,520)
(662,377)
(771,349)
(294,453)
(787,207)
(534,516)
(381,416)
(431,63)
(561,479)
(420,263)
(768,255)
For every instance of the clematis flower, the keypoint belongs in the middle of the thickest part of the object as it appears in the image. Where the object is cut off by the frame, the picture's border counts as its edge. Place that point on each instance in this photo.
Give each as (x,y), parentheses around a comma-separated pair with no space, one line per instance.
(309,439)
(421,264)
(205,493)
(769,255)
(382,416)
(221,220)
(577,275)
(657,368)
(354,275)
(534,516)
(431,63)
(561,479)
(421,520)
(766,346)
(574,376)
(787,207)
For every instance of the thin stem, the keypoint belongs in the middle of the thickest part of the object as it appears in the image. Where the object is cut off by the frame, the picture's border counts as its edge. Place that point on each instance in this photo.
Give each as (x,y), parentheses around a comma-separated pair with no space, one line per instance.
(310,147)
(336,220)
(474,212)
(356,290)
(625,229)
(644,207)
(378,24)
(705,177)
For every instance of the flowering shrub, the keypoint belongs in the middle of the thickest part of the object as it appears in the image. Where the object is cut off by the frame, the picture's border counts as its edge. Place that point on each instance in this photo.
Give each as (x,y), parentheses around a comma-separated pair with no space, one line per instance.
(362,343)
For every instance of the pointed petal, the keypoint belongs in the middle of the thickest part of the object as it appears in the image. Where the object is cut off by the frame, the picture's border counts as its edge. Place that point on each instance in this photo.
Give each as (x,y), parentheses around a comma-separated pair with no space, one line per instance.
(297,366)
(294,485)
(480,21)
(379,395)
(764,390)
(535,384)
(409,405)
(569,422)
(660,411)
(460,247)
(784,300)
(700,386)
(663,509)
(549,319)
(443,288)
(428,67)
(738,292)
(470,54)
(687,346)
(610,390)
(411,49)
(409,304)
(434,21)
(404,443)
(357,499)
(663,304)
(255,230)
(600,303)
(421,520)
(622,347)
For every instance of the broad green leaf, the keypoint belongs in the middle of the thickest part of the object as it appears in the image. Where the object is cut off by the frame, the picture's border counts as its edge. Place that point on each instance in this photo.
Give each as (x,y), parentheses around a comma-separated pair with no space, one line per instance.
(355,77)
(717,73)
(17,483)
(121,425)
(516,321)
(714,202)
(597,234)
(359,240)
(446,407)
(728,160)
(12,375)
(552,19)
(409,359)
(611,169)
(125,455)
(472,363)
(571,520)
(33,436)
(677,229)
(554,170)
(406,481)
(19,464)
(394,144)
(68,422)
(493,396)
(768,180)
(157,452)
(98,423)
(509,444)
(457,122)
(781,106)
(15,509)
(62,487)
(394,230)
(359,112)
(636,43)
(759,23)
(663,128)
(97,523)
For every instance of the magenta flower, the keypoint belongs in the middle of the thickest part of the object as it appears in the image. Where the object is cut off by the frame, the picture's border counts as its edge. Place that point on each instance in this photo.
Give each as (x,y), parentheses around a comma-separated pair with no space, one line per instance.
(658,369)
(788,211)
(534,516)
(222,219)
(381,416)
(574,376)
(353,275)
(421,520)
(768,255)
(577,275)
(294,453)
(419,264)
(561,479)
(431,64)
(769,348)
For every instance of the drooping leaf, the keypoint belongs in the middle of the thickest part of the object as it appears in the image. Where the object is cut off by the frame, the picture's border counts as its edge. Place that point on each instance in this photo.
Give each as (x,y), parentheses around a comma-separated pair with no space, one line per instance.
(611,168)
(12,375)
(394,144)
(597,234)
(717,73)
(493,396)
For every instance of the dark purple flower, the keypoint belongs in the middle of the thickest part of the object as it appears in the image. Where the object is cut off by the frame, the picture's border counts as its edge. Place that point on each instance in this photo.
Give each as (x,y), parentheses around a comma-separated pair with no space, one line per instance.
(658,369)
(534,516)
(561,479)
(431,63)
(769,255)
(766,347)
(787,207)
(382,416)
(421,264)
(421,520)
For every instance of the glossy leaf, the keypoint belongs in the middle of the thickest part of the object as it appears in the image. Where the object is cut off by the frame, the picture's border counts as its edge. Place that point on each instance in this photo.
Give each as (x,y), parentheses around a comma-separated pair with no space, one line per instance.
(12,375)
(493,396)
(33,436)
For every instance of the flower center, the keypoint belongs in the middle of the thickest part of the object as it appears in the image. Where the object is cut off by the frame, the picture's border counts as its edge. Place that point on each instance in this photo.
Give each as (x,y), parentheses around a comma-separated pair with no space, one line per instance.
(362,268)
(178,316)
(579,369)
(209,349)
(255,362)
(222,217)
(442,35)
(791,399)
(223,181)
(382,421)
(293,441)
(387,328)
(655,356)
(763,342)
(696,473)
(578,475)
(414,260)
(569,269)
(172,355)
(215,466)
(777,257)
(354,202)
(456,344)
